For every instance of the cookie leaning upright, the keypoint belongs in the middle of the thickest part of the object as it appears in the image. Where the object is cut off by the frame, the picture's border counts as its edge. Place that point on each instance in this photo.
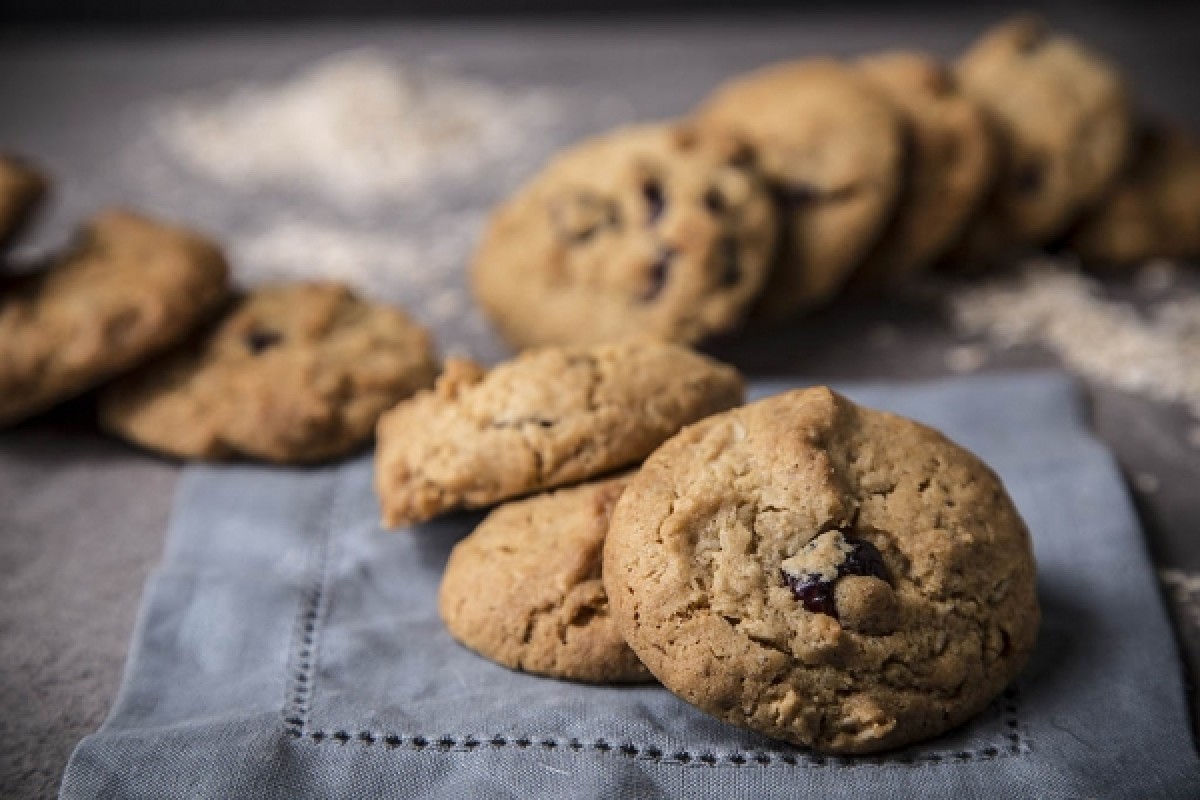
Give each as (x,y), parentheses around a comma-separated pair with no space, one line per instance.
(1062,114)
(22,187)
(656,229)
(524,588)
(831,145)
(547,418)
(1153,210)
(129,288)
(291,374)
(838,577)
(951,161)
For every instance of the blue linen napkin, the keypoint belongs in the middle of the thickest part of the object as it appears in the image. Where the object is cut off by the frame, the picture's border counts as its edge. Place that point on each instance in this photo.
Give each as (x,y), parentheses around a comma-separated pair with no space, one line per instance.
(287,647)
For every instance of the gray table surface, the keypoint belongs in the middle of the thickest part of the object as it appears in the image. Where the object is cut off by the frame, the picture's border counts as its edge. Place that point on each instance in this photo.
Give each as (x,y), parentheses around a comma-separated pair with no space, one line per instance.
(82,517)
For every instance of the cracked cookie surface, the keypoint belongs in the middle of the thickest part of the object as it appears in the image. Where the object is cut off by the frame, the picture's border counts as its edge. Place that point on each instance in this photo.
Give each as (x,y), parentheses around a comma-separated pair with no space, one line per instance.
(290,374)
(831,146)
(22,187)
(524,588)
(1063,119)
(950,165)
(822,573)
(547,418)
(128,288)
(653,229)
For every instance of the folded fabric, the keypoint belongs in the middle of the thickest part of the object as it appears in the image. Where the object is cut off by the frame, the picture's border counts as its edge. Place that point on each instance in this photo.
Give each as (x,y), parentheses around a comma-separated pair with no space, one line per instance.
(288,647)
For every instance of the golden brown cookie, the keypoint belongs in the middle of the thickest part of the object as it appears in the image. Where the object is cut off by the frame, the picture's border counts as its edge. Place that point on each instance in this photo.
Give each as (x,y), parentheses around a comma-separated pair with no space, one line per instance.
(1063,121)
(524,588)
(22,188)
(291,374)
(950,165)
(841,578)
(655,229)
(832,146)
(129,288)
(547,418)
(1153,210)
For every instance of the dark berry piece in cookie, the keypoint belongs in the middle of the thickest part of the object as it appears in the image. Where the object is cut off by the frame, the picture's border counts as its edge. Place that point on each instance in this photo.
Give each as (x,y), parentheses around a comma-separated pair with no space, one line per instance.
(660,270)
(714,201)
(258,341)
(814,572)
(656,201)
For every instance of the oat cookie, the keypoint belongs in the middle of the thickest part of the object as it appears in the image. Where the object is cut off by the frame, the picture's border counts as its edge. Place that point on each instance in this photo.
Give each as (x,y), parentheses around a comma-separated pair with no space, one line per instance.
(547,418)
(129,288)
(838,577)
(1062,116)
(653,229)
(22,187)
(832,146)
(292,374)
(950,165)
(524,588)
(1153,210)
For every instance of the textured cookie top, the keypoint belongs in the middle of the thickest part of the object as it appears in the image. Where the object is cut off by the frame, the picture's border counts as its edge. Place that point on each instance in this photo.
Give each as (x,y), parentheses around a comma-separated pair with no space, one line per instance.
(832,147)
(291,374)
(1063,115)
(654,230)
(1153,210)
(951,161)
(822,573)
(129,288)
(524,588)
(21,188)
(547,418)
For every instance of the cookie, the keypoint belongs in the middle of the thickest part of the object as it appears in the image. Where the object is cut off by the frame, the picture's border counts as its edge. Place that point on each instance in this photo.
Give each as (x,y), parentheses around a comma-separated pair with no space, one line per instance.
(547,418)
(22,187)
(950,165)
(129,288)
(832,146)
(292,374)
(1153,210)
(652,230)
(1062,116)
(841,578)
(524,588)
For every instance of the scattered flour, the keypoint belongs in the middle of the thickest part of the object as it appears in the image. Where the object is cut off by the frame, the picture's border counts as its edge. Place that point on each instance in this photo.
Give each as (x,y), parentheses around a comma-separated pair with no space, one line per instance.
(357,125)
(1156,353)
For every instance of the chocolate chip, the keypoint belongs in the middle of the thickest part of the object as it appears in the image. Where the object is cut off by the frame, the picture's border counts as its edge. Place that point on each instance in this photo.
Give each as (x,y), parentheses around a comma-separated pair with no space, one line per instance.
(659,272)
(1028,179)
(817,595)
(259,340)
(731,270)
(714,201)
(656,201)
(797,194)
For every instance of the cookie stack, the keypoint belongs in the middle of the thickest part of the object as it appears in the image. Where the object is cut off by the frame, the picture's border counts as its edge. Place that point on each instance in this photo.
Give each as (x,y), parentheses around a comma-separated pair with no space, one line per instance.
(836,577)
(794,183)
(287,374)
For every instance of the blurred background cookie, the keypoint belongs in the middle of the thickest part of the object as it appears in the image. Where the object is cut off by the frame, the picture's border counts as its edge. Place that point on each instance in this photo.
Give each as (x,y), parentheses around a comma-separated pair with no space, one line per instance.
(656,229)
(127,289)
(831,145)
(291,374)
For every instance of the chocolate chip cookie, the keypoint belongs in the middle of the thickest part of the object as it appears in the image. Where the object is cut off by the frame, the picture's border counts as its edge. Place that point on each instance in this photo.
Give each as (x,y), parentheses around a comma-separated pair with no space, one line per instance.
(832,146)
(1062,115)
(950,165)
(22,187)
(524,588)
(837,577)
(292,374)
(655,230)
(1153,210)
(129,288)
(547,418)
